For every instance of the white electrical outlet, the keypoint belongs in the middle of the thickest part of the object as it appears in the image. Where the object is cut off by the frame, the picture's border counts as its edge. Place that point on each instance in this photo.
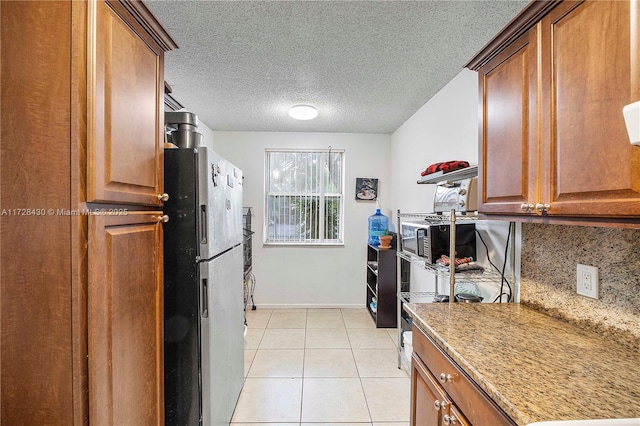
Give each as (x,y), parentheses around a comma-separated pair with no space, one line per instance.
(587,280)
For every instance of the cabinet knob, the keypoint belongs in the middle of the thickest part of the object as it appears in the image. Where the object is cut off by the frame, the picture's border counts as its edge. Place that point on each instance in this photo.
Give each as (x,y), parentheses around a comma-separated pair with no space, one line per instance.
(164,218)
(438,405)
(526,207)
(543,207)
(446,378)
(163,197)
(449,419)
(462,191)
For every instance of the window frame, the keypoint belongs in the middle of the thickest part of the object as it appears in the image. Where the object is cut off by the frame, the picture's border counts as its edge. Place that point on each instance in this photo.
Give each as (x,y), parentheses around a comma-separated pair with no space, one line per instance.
(266,193)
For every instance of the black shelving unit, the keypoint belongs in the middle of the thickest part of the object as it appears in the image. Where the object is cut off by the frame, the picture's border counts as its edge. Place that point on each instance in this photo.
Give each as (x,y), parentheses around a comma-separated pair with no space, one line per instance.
(381,285)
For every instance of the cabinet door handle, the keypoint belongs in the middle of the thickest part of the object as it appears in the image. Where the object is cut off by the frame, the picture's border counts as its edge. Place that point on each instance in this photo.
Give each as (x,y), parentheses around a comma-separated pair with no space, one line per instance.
(163,197)
(543,207)
(526,207)
(449,420)
(438,405)
(445,378)
(164,218)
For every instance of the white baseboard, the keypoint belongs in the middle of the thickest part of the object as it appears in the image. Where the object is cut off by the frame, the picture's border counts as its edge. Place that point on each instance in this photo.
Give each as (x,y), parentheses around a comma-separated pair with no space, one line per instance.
(308,306)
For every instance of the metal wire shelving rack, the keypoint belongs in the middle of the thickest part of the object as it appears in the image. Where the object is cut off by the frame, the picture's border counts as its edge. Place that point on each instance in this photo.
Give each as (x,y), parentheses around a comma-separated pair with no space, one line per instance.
(430,218)
(249,282)
(443,274)
(405,295)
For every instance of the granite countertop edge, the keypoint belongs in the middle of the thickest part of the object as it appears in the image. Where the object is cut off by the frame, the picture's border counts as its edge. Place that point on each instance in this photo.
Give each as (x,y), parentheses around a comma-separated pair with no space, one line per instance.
(532,365)
(515,414)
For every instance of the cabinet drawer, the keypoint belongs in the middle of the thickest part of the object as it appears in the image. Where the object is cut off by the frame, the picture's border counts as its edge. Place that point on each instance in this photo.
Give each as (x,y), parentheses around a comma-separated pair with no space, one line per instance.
(477,407)
(430,405)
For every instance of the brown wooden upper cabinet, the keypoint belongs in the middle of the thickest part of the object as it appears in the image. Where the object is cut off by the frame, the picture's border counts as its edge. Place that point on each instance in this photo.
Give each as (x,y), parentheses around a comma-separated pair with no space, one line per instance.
(508,149)
(125,108)
(552,87)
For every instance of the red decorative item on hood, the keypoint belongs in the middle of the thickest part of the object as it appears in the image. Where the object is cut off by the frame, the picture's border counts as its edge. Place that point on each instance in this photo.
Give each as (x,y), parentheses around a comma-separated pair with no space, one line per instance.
(445,167)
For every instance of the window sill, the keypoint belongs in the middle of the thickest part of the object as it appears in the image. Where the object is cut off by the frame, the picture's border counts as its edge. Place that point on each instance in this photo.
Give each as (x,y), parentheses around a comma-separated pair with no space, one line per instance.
(302,244)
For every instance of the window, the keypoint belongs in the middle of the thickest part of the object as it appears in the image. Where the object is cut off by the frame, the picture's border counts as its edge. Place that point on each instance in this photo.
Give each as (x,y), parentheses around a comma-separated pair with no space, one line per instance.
(304,197)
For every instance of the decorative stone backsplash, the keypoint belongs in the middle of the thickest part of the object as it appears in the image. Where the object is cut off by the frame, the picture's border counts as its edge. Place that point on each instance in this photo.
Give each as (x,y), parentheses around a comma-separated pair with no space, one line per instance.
(550,254)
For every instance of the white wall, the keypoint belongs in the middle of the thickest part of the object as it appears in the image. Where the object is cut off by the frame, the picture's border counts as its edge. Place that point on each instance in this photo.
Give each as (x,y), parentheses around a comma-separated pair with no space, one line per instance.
(207,135)
(444,129)
(310,276)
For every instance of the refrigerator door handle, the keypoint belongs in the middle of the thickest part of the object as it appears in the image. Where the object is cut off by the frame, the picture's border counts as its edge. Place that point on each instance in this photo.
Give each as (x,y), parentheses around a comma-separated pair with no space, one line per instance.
(203,224)
(204,299)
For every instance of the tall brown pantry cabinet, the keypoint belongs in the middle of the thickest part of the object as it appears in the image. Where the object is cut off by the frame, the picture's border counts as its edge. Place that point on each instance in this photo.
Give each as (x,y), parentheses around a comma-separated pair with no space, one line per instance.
(81,130)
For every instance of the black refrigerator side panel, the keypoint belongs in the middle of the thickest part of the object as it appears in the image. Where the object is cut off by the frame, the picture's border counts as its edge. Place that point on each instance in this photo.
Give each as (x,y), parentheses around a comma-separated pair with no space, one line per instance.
(181,290)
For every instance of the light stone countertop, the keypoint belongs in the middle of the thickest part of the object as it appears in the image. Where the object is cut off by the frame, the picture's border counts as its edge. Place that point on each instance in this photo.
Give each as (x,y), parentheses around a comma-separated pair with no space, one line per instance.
(533,366)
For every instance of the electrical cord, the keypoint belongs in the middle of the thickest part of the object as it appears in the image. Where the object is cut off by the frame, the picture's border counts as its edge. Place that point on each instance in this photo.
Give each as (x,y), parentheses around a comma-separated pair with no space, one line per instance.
(504,267)
(499,297)
(503,278)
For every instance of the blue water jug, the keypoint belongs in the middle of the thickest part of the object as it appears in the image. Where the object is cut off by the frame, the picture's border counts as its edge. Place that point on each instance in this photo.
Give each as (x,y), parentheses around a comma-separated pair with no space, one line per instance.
(378,225)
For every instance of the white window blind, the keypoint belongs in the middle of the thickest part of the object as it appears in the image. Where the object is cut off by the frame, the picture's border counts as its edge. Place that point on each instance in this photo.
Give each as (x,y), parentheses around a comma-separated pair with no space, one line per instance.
(304,197)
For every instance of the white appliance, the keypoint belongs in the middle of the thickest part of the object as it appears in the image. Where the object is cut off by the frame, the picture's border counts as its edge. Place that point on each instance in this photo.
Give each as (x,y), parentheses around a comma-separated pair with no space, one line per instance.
(461,195)
(631,114)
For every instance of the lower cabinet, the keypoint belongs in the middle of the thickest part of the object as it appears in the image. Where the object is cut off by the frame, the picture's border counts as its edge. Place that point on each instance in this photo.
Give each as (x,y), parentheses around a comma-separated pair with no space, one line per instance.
(125,319)
(430,405)
(442,394)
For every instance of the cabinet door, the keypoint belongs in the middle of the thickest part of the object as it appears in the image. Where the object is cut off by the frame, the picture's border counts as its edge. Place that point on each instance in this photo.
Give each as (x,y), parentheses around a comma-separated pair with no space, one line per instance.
(427,398)
(125,319)
(125,122)
(456,417)
(591,64)
(508,148)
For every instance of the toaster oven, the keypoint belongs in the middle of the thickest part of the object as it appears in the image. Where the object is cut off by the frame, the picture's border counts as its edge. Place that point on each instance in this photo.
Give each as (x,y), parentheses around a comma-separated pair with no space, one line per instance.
(461,196)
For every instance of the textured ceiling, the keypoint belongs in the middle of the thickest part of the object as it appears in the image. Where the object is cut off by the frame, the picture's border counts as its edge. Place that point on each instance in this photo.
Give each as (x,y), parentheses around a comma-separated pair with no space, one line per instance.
(366,65)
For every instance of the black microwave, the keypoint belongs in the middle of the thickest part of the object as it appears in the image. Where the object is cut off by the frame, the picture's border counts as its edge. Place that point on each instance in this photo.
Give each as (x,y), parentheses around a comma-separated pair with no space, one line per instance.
(432,240)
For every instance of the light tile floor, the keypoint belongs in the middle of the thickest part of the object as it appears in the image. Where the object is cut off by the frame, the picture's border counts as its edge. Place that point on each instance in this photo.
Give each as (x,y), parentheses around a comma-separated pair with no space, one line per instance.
(312,367)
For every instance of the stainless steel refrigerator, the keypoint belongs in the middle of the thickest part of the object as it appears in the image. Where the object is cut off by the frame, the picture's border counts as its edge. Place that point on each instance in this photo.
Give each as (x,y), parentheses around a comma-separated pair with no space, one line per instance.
(203,308)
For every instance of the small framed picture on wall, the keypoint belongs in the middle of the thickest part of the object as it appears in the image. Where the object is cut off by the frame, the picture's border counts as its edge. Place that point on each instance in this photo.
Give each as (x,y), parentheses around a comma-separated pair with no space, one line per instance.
(366,189)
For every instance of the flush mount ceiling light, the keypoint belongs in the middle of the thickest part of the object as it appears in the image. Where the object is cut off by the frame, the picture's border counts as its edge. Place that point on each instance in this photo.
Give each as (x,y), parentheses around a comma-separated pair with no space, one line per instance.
(303,112)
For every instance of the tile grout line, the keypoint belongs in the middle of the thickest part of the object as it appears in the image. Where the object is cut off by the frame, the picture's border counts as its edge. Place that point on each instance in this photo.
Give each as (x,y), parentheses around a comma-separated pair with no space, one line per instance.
(246,375)
(304,372)
(366,401)
(304,356)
